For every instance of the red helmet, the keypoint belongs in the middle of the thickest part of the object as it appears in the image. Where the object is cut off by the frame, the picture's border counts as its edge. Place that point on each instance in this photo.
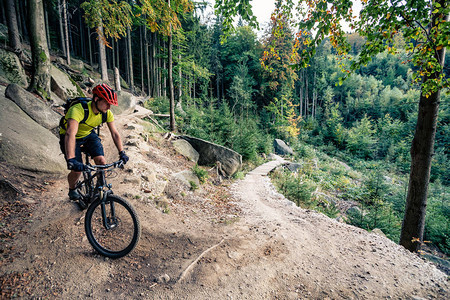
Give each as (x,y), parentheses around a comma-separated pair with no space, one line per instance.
(103,91)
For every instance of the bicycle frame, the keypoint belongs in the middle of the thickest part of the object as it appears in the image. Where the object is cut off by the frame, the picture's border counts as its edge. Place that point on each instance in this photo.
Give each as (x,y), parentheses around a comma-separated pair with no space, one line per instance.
(99,189)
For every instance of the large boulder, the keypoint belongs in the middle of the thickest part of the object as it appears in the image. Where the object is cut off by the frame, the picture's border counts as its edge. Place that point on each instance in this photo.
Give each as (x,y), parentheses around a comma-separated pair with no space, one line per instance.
(11,69)
(210,153)
(62,85)
(33,107)
(185,148)
(26,144)
(282,148)
(127,103)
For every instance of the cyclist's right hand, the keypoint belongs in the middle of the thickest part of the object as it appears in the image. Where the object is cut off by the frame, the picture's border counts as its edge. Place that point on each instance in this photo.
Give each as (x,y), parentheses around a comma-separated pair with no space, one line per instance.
(75,165)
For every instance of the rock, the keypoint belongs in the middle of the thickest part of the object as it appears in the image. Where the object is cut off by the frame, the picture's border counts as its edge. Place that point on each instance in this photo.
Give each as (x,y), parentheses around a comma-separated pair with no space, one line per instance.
(76,64)
(126,101)
(184,148)
(281,148)
(26,144)
(61,84)
(378,231)
(11,69)
(294,167)
(163,279)
(210,154)
(33,107)
(187,176)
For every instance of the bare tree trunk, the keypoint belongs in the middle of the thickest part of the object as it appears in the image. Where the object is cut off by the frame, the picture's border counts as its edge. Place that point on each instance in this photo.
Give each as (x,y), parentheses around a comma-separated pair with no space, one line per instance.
(66,31)
(61,28)
(13,29)
(40,79)
(22,11)
(117,80)
(147,61)
(180,74)
(314,97)
(171,91)
(90,47)
(102,55)
(130,61)
(142,58)
(422,150)
(2,14)
(301,92)
(47,29)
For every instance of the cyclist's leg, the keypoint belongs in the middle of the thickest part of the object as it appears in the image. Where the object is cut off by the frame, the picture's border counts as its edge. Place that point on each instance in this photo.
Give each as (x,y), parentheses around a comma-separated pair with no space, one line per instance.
(72,178)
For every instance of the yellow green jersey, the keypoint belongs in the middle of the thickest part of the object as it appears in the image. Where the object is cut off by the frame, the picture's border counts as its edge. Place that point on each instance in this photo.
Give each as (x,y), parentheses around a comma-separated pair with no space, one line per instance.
(76,112)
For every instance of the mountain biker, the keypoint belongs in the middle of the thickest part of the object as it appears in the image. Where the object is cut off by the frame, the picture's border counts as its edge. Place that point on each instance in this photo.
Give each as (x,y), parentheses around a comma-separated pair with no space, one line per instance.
(79,134)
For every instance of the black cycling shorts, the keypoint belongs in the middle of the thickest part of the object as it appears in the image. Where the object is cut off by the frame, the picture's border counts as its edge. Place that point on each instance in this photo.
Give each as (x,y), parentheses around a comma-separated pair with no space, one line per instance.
(91,144)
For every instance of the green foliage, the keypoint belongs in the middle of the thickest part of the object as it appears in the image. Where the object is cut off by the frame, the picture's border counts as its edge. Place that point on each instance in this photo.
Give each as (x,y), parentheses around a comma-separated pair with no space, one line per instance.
(114,16)
(194,186)
(361,138)
(200,173)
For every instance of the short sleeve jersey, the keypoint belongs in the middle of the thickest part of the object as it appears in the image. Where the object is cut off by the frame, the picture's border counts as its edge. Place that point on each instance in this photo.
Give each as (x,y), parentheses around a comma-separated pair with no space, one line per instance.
(76,112)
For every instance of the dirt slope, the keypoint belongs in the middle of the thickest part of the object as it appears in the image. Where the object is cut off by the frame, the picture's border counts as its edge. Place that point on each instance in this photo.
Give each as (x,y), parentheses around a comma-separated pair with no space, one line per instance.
(237,240)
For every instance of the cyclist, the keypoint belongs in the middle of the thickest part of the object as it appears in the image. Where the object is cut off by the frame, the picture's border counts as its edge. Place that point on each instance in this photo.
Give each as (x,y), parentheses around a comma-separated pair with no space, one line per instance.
(74,134)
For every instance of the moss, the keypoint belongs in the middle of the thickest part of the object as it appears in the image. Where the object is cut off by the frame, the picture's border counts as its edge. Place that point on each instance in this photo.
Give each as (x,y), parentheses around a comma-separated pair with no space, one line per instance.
(43,57)
(43,93)
(79,90)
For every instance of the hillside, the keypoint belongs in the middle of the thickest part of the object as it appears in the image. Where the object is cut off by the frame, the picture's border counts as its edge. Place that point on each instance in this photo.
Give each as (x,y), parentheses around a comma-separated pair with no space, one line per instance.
(236,240)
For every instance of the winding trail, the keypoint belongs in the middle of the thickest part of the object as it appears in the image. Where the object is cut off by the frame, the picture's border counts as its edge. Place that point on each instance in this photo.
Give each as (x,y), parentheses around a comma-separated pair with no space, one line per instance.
(327,258)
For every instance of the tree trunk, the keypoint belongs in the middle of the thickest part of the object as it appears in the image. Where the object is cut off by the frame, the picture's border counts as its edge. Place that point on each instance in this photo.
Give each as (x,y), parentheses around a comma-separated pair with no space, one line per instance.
(22,14)
(117,80)
(40,78)
(180,74)
(163,76)
(130,61)
(171,91)
(141,35)
(422,149)
(102,55)
(62,43)
(13,29)
(90,47)
(47,28)
(147,61)
(66,31)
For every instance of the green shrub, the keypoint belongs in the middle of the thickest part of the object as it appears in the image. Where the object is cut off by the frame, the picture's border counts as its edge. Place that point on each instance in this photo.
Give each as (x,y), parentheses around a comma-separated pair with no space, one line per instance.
(200,173)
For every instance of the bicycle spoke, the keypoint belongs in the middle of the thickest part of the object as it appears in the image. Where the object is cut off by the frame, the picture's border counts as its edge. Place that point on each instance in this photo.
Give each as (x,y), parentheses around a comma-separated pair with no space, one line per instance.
(114,227)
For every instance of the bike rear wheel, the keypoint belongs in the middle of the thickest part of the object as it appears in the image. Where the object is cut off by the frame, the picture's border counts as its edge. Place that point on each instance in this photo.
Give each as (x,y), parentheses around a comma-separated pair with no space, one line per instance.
(112,227)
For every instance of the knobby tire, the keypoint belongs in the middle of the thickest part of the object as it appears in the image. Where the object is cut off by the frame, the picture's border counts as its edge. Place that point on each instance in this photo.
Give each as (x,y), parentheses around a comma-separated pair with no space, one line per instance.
(118,241)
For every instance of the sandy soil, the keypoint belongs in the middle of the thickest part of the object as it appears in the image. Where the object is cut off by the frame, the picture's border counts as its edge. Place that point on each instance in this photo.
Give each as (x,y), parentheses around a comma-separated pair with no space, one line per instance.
(236,240)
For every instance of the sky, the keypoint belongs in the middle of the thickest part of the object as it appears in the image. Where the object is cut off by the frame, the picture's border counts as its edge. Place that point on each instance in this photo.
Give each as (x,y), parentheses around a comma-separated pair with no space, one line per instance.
(263,9)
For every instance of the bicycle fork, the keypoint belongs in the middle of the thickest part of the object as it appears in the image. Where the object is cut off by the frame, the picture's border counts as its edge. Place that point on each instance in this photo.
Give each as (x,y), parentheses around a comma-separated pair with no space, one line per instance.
(109,220)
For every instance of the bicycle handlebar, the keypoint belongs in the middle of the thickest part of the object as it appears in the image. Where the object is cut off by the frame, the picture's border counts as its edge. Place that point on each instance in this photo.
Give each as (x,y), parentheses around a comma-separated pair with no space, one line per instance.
(116,164)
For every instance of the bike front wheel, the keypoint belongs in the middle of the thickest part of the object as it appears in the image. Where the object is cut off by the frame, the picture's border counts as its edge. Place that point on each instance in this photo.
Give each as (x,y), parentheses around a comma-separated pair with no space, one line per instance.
(112,226)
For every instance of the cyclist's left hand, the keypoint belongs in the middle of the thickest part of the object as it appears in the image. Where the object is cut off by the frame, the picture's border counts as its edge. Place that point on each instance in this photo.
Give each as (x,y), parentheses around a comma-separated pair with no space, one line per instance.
(123,157)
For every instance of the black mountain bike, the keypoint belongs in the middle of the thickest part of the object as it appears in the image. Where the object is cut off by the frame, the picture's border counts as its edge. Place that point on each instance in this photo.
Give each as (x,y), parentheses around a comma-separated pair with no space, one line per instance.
(111,223)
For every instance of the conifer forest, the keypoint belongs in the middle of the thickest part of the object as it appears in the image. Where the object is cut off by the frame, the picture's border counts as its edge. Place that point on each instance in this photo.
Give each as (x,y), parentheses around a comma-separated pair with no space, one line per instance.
(349,103)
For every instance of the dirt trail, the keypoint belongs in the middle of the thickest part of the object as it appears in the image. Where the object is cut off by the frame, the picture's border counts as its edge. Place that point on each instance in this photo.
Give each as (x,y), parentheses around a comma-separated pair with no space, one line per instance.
(239,240)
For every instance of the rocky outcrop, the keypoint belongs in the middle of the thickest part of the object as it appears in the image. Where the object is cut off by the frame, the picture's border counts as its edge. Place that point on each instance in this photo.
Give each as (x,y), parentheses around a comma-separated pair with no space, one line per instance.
(227,160)
(281,148)
(33,107)
(26,144)
(11,70)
